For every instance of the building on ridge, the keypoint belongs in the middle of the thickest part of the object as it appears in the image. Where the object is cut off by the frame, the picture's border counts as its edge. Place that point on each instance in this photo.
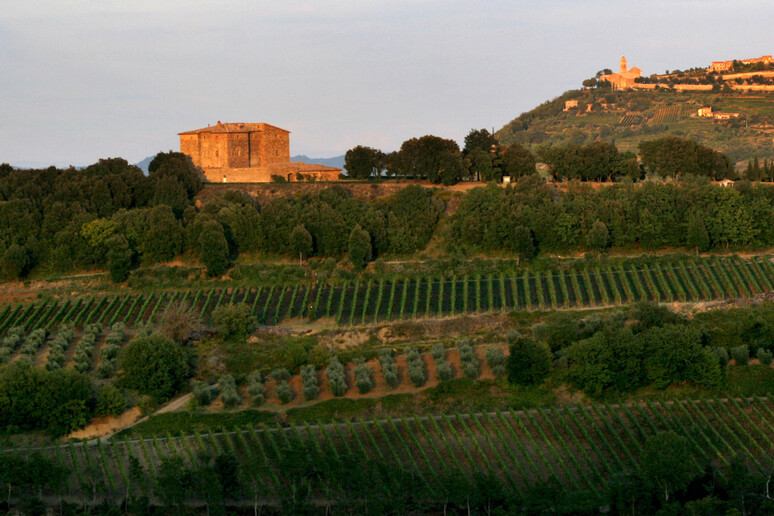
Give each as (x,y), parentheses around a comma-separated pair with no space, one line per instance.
(722,66)
(625,78)
(248,153)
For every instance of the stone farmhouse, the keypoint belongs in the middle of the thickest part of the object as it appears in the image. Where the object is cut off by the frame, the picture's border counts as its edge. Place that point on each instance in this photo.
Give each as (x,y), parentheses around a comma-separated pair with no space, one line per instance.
(625,78)
(248,153)
(722,66)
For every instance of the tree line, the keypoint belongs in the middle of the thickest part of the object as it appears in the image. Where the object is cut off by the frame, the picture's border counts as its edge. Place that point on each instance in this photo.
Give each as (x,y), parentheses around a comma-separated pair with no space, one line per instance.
(531,217)
(441,161)
(109,215)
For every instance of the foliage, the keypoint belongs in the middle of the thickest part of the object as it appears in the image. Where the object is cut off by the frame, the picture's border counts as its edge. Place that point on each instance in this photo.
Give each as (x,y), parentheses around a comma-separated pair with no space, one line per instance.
(256,389)
(202,393)
(336,379)
(468,360)
(234,321)
(31,398)
(284,392)
(359,249)
(363,379)
(529,361)
(741,354)
(154,365)
(213,248)
(498,363)
(228,391)
(309,381)
(364,162)
(389,367)
(110,401)
(416,368)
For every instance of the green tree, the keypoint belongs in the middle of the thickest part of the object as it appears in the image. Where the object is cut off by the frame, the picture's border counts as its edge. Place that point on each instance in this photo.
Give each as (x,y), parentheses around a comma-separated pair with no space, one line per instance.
(482,166)
(598,237)
(110,401)
(666,461)
(436,159)
(154,365)
(16,262)
(698,237)
(517,161)
(359,247)
(479,139)
(119,258)
(301,241)
(234,321)
(162,240)
(364,162)
(213,248)
(529,361)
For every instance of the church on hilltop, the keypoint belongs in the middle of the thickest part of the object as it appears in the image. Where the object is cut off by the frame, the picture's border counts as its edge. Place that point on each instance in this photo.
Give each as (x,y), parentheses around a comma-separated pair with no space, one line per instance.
(625,78)
(248,153)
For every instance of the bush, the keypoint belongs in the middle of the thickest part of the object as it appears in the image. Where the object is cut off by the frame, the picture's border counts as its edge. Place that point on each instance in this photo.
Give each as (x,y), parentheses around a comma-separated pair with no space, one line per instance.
(416,368)
(389,367)
(280,375)
(202,393)
(234,321)
(722,354)
(154,365)
(110,401)
(228,391)
(528,362)
(764,356)
(336,378)
(309,380)
(444,370)
(497,361)
(363,376)
(468,360)
(256,389)
(442,366)
(284,393)
(741,355)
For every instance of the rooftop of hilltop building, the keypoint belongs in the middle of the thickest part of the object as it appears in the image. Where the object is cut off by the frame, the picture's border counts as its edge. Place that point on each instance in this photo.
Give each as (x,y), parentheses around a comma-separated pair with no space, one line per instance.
(235,127)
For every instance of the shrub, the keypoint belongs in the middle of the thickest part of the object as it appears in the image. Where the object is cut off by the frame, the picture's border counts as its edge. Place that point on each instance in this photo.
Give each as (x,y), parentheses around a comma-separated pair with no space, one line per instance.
(154,365)
(444,370)
(468,360)
(228,391)
(202,393)
(336,379)
(389,367)
(309,380)
(280,375)
(284,393)
(529,360)
(416,368)
(764,356)
(722,354)
(110,401)
(497,361)
(741,355)
(256,389)
(234,321)
(363,376)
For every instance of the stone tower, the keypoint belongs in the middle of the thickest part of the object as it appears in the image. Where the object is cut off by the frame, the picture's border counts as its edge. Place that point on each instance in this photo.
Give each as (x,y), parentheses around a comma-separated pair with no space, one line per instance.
(624,69)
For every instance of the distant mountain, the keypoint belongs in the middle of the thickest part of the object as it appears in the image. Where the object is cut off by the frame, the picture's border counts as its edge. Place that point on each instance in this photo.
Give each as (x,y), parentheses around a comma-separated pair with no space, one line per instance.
(143,165)
(337,161)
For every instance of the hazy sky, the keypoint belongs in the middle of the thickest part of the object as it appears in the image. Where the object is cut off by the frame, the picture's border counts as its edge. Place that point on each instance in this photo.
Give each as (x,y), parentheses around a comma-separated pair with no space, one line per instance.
(82,80)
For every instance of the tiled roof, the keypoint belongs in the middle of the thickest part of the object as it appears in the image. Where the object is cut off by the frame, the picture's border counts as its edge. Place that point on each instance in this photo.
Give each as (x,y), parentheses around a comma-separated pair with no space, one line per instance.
(234,127)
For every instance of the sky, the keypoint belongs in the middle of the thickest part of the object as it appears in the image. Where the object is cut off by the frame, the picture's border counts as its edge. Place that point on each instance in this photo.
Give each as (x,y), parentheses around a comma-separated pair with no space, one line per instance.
(83,80)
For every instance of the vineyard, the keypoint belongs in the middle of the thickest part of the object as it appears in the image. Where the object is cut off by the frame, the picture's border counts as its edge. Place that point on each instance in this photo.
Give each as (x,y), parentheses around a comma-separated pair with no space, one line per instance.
(631,120)
(581,446)
(371,301)
(667,115)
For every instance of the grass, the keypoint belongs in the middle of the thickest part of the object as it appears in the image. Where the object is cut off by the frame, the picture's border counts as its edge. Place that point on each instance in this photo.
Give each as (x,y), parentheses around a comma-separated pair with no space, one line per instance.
(176,422)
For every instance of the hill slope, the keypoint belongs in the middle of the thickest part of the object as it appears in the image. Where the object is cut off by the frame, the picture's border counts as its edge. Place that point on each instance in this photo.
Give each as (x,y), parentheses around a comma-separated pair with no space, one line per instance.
(627,117)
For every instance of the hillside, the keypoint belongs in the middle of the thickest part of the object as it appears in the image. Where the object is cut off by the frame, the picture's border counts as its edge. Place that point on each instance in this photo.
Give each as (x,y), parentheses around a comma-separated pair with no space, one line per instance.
(630,116)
